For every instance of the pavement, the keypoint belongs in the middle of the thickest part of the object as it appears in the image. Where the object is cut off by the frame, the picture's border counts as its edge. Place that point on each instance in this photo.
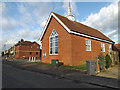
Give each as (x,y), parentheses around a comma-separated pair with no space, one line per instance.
(70,74)
(111,72)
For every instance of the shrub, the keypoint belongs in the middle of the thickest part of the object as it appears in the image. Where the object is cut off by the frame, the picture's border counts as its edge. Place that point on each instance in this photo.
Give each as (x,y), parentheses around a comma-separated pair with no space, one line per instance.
(101,61)
(108,61)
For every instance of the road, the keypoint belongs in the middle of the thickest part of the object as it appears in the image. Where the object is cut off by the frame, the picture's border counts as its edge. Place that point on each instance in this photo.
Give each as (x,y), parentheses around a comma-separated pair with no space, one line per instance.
(17,78)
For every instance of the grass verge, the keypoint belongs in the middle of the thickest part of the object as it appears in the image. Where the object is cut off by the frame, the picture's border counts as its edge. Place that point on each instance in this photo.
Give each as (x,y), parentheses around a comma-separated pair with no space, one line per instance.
(42,63)
(81,67)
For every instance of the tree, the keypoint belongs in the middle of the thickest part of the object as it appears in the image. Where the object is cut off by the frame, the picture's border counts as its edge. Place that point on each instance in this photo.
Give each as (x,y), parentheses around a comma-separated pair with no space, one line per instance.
(2,53)
(108,61)
(101,62)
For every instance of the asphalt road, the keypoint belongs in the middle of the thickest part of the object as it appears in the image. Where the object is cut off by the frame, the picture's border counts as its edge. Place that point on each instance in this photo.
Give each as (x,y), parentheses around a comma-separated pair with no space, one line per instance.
(17,78)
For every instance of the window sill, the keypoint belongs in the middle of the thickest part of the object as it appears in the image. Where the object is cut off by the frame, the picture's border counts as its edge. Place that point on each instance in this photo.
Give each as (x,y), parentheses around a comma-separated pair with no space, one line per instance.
(53,54)
(88,50)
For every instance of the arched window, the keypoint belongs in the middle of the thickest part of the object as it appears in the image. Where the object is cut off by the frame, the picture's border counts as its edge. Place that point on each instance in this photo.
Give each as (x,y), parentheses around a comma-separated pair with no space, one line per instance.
(53,43)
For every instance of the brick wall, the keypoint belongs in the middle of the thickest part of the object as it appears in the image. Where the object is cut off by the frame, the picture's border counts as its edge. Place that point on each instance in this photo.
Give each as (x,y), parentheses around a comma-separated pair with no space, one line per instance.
(64,44)
(79,53)
(71,48)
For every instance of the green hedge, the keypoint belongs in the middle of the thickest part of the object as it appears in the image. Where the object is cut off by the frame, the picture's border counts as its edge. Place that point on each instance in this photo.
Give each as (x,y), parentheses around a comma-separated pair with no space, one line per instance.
(101,61)
(108,61)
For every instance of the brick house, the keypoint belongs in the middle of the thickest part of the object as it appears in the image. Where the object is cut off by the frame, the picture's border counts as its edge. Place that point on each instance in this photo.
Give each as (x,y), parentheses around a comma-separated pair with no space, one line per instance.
(25,49)
(71,42)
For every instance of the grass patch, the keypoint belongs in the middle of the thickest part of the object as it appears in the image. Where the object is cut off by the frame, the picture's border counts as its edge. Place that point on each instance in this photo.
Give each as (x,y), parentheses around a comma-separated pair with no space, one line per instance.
(42,63)
(81,67)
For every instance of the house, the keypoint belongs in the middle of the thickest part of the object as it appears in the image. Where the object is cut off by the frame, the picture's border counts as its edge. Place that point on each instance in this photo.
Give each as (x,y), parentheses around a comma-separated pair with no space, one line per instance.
(118,46)
(25,49)
(71,42)
(118,49)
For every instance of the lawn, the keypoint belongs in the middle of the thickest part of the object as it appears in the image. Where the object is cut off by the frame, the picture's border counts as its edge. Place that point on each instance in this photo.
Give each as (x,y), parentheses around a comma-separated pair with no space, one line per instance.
(81,67)
(42,63)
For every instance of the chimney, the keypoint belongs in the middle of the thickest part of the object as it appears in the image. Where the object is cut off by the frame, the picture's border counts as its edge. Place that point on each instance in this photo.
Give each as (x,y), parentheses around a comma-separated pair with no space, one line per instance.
(18,41)
(22,40)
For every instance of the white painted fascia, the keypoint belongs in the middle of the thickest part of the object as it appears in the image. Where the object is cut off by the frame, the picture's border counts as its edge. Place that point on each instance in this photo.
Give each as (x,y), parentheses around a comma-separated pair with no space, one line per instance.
(72,32)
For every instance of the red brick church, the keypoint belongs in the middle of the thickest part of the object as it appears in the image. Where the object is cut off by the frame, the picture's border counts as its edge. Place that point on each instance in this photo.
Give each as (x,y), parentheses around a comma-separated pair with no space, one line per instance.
(71,42)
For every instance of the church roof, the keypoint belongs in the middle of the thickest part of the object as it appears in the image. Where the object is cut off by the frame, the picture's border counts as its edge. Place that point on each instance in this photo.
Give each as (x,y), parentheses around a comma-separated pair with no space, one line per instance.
(77,28)
(81,28)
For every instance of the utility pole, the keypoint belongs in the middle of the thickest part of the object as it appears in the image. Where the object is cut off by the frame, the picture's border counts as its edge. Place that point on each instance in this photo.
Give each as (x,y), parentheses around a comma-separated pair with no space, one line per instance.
(4,47)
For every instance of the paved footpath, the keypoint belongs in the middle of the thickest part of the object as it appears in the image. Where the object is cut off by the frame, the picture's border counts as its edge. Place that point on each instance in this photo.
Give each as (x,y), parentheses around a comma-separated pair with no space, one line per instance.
(112,72)
(75,75)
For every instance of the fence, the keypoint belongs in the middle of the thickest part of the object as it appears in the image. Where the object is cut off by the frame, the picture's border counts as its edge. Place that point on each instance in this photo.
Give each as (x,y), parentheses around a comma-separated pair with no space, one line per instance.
(114,56)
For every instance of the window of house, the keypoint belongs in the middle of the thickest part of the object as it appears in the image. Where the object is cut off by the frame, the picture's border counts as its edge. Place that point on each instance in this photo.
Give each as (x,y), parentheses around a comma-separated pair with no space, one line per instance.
(37,47)
(30,53)
(36,53)
(102,47)
(88,45)
(53,43)
(30,46)
(110,47)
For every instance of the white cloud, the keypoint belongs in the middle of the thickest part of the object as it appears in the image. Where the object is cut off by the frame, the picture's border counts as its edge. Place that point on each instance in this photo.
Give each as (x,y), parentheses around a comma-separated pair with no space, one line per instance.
(106,20)
(29,34)
(2,7)
(43,24)
(9,23)
(29,24)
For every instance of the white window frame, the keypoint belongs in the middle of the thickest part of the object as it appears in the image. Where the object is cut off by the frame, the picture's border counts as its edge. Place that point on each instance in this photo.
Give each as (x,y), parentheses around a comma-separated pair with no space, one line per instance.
(88,44)
(103,46)
(53,44)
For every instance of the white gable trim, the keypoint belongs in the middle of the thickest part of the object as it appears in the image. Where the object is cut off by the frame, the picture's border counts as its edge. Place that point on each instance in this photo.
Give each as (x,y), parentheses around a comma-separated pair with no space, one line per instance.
(72,32)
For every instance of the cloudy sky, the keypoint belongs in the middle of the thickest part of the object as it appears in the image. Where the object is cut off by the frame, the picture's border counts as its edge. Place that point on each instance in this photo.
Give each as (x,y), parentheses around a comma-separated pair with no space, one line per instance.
(27,19)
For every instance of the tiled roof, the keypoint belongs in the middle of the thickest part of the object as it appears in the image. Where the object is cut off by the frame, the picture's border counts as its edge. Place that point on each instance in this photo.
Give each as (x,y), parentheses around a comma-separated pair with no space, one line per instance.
(24,43)
(114,48)
(118,46)
(81,28)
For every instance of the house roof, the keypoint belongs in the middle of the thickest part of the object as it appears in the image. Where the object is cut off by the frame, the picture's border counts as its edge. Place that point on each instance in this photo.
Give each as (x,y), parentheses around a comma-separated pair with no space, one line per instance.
(77,28)
(114,48)
(118,45)
(25,43)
